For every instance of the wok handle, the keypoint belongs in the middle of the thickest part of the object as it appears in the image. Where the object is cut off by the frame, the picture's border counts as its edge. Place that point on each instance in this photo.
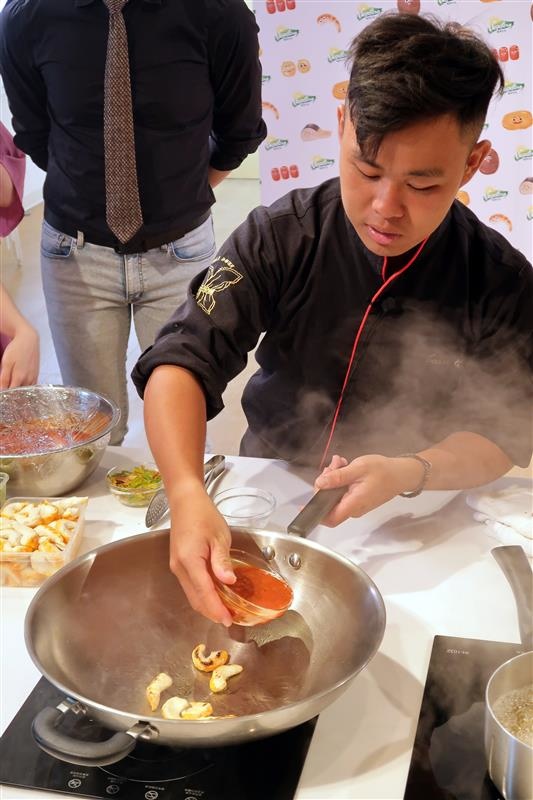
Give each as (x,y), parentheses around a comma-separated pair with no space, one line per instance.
(516,568)
(316,509)
(64,747)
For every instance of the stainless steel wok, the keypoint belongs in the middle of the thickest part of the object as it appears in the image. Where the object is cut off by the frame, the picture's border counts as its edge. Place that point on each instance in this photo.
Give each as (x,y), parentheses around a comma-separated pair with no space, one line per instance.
(105,625)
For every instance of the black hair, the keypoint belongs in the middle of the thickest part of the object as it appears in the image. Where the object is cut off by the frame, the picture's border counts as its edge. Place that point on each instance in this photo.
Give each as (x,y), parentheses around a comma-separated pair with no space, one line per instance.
(405,68)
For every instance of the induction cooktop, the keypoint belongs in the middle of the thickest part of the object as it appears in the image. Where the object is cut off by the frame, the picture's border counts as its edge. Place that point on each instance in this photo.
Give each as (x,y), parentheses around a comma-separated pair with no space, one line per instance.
(263,769)
(448,758)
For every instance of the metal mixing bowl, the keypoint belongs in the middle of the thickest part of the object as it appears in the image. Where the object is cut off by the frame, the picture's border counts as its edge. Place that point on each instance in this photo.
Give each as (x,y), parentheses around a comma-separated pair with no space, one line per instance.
(87,418)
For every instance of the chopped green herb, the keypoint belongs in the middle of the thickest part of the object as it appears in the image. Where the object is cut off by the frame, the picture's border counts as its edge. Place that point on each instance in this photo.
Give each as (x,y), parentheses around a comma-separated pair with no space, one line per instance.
(140,477)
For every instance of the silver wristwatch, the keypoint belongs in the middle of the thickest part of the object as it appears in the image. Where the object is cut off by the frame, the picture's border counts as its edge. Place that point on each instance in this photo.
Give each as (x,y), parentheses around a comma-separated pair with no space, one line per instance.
(427,469)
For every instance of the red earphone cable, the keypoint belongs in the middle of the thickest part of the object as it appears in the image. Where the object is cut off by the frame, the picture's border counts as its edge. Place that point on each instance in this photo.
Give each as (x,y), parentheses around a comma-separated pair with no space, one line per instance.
(357,338)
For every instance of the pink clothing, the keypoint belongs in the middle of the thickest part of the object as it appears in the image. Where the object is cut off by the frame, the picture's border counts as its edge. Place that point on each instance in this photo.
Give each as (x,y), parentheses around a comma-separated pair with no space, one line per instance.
(14,161)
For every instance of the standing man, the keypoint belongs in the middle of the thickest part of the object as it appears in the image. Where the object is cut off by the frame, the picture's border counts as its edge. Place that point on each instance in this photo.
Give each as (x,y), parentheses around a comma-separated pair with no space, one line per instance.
(135,109)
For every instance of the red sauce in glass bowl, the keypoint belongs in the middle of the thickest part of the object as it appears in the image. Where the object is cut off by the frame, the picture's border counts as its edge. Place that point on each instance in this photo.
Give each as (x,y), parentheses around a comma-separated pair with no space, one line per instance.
(258,595)
(261,588)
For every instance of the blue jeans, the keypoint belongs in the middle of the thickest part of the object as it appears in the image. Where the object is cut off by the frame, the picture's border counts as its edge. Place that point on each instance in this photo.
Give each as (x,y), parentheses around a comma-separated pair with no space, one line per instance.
(92,293)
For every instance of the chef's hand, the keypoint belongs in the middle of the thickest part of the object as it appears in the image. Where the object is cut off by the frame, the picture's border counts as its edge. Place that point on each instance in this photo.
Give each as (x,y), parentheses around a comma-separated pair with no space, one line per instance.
(370,481)
(200,541)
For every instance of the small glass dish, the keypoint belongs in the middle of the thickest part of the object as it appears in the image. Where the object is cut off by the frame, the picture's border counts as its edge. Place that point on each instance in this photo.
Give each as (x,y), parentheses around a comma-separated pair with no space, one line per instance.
(259,595)
(245,506)
(135,486)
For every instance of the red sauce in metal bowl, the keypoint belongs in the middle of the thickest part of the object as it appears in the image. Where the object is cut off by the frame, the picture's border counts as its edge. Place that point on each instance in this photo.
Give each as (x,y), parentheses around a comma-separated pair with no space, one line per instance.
(43,435)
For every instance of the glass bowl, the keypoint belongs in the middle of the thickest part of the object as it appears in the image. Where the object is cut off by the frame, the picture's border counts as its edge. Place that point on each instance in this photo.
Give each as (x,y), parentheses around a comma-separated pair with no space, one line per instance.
(245,506)
(134,486)
(259,595)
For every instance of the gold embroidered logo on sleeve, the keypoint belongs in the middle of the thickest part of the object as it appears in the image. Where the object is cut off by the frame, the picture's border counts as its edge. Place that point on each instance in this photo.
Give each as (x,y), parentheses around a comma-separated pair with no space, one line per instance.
(219,276)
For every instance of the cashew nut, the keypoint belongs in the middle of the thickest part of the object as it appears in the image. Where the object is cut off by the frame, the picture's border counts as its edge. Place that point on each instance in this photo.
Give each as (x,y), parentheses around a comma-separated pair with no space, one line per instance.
(197,711)
(219,677)
(154,689)
(173,707)
(208,663)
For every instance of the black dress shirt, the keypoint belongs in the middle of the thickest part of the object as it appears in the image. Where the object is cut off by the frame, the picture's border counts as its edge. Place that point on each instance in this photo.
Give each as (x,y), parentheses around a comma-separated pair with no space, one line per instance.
(196,88)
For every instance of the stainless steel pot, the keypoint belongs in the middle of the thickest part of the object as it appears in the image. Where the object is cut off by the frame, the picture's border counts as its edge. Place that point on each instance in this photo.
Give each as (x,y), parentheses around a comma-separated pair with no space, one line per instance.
(106,624)
(510,760)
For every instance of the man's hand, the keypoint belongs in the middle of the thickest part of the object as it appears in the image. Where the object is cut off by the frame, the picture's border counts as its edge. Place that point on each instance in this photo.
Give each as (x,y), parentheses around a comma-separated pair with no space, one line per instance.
(199,545)
(371,480)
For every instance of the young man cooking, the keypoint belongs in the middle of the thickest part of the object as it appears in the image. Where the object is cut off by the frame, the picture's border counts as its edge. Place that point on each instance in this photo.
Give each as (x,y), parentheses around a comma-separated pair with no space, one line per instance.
(397,327)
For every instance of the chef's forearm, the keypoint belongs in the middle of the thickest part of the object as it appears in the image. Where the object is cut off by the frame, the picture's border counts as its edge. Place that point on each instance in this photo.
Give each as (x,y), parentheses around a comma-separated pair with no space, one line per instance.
(464,460)
(175,422)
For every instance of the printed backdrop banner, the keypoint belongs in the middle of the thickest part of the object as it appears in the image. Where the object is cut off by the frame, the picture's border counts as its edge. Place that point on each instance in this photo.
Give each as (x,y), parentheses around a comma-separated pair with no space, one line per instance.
(303,53)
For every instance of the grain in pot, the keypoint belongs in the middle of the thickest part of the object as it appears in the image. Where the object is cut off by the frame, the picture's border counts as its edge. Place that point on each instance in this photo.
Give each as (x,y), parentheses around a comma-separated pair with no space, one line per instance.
(514,710)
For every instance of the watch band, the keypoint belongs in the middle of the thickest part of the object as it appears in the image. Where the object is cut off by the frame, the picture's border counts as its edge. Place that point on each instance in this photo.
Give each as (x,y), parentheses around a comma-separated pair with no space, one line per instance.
(427,469)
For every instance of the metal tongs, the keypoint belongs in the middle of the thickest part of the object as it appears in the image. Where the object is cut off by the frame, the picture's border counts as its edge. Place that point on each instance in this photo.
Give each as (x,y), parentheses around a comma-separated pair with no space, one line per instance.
(159,503)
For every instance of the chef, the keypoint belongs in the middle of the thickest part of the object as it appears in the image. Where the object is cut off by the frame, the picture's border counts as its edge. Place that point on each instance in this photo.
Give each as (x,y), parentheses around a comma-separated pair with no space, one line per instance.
(396,327)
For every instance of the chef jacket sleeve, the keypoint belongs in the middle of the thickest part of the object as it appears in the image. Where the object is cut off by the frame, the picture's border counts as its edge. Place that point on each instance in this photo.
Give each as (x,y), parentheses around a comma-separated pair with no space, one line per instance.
(235,72)
(227,308)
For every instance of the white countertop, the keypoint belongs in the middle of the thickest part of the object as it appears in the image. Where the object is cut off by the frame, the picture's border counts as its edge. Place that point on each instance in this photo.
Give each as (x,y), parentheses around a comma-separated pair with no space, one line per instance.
(432,564)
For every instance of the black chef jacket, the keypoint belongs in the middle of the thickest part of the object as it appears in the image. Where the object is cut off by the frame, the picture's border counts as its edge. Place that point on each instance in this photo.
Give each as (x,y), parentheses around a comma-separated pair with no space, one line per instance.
(446,348)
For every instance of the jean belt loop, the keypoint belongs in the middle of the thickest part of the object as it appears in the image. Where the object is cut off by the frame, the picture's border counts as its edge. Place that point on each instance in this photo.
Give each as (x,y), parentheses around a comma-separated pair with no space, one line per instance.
(80,240)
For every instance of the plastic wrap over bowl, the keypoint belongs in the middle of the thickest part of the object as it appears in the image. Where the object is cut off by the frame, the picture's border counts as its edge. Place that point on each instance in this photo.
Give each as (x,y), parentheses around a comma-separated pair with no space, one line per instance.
(52,437)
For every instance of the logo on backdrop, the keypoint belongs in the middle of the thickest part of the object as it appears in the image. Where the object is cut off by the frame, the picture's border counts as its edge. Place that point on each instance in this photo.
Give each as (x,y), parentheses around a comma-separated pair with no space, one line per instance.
(300,99)
(367,13)
(512,87)
(523,153)
(497,25)
(282,34)
(337,55)
(273,143)
(491,193)
(319,162)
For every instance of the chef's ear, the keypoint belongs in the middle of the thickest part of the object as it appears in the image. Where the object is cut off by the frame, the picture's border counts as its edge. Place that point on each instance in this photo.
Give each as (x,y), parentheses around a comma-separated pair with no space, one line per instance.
(341,111)
(477,154)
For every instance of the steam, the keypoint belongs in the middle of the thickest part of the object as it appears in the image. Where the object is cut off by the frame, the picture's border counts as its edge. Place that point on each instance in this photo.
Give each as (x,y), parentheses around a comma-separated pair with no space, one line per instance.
(437,387)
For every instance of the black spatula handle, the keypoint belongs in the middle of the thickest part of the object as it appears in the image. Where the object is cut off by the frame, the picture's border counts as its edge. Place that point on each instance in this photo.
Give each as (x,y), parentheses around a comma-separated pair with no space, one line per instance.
(314,512)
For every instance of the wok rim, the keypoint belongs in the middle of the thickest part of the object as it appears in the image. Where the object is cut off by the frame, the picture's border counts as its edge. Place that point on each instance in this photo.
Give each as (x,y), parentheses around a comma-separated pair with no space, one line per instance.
(193,724)
(113,420)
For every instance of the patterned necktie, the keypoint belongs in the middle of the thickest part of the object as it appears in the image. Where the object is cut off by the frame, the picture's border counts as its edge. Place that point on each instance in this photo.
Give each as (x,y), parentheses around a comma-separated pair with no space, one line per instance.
(123,208)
